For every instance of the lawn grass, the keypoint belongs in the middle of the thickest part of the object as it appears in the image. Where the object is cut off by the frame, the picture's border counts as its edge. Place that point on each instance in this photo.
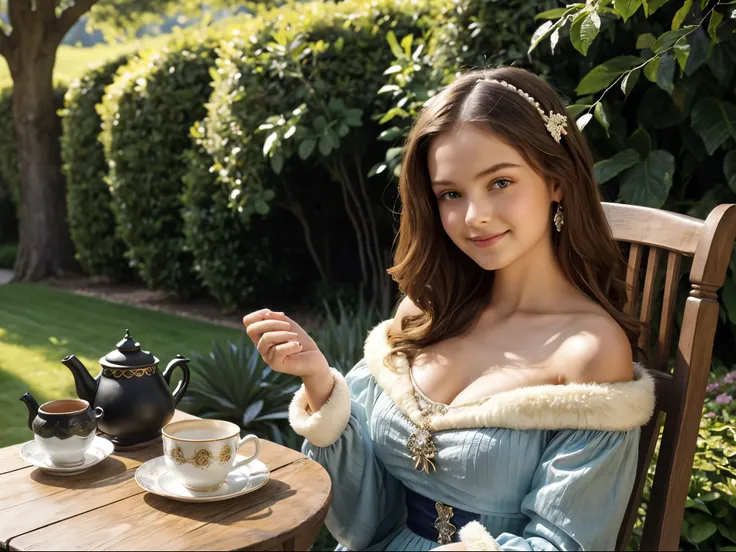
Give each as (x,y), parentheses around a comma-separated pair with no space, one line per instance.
(40,325)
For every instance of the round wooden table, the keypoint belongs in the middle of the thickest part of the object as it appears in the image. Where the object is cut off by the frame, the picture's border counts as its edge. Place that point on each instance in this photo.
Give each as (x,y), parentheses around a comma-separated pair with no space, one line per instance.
(104,508)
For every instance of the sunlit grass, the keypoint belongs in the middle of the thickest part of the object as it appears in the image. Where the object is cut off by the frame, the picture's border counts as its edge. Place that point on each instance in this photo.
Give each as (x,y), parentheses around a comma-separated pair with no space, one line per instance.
(39,326)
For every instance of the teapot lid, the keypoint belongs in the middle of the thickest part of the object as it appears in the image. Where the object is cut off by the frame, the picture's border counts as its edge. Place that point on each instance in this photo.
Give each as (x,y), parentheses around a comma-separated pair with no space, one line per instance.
(128,354)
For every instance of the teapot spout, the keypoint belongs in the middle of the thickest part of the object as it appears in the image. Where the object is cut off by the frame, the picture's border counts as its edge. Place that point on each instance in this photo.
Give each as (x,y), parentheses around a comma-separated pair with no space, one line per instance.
(32,408)
(85,384)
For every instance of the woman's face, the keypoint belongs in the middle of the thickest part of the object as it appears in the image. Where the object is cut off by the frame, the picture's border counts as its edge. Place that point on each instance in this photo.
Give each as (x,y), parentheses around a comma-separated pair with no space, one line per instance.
(484,188)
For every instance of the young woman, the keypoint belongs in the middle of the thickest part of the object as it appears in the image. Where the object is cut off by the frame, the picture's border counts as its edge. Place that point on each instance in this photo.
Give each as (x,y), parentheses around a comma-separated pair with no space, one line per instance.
(500,408)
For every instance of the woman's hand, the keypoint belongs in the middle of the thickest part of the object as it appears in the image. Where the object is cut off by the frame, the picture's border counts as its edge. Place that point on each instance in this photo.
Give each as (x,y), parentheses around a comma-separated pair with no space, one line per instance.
(284,345)
(287,348)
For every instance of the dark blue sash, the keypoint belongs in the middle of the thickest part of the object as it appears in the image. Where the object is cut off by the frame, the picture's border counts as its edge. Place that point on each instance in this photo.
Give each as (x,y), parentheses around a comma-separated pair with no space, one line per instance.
(422,514)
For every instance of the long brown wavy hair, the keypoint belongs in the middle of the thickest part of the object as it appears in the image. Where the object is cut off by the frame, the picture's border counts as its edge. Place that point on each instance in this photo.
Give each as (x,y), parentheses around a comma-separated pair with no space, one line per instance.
(448,286)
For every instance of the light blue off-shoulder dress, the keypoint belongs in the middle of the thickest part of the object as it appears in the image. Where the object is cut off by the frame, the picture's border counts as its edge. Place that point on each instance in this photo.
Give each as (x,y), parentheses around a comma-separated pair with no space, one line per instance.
(547,467)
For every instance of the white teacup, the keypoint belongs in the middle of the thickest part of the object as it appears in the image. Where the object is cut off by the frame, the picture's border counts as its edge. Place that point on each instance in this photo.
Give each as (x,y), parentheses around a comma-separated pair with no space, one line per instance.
(201,453)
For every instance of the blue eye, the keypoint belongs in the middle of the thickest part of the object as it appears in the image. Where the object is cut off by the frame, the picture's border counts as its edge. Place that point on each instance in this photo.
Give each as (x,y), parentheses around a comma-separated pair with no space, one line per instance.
(442,196)
(508,182)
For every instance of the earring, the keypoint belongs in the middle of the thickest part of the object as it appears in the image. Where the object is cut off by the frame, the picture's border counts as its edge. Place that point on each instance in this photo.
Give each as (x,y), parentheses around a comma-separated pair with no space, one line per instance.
(559,218)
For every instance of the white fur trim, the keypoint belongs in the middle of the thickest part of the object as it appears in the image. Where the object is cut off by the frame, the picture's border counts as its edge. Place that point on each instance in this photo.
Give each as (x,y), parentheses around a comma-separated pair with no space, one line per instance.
(475,537)
(324,427)
(596,406)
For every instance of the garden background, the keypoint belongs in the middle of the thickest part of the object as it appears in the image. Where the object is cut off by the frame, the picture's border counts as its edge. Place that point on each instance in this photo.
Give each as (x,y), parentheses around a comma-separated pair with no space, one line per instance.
(213,164)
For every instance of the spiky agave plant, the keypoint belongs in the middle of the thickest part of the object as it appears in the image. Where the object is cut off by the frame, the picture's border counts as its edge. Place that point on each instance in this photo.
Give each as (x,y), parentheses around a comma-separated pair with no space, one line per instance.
(233,383)
(342,335)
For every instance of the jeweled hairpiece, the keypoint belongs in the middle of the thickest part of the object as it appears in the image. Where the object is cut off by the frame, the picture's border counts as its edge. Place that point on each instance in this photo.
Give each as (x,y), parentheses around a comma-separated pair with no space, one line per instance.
(555,122)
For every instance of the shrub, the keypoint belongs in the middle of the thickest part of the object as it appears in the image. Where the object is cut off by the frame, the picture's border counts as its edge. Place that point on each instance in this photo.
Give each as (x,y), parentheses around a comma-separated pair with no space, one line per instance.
(8,252)
(146,114)
(710,510)
(241,260)
(233,383)
(91,218)
(8,217)
(300,94)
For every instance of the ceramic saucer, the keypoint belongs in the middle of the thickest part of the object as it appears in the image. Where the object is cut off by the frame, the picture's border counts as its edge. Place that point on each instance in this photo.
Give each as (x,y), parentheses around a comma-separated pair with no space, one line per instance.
(154,476)
(96,453)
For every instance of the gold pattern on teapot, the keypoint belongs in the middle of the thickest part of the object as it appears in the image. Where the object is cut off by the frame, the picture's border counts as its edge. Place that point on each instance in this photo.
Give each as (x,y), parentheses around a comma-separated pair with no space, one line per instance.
(202,458)
(137,373)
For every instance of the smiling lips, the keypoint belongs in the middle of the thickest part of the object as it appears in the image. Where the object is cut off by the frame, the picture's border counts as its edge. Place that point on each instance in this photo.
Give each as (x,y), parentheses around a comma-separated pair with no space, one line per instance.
(488,240)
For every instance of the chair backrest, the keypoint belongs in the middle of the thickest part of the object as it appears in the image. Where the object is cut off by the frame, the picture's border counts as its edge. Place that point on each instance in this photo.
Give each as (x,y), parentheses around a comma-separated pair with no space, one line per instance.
(680,388)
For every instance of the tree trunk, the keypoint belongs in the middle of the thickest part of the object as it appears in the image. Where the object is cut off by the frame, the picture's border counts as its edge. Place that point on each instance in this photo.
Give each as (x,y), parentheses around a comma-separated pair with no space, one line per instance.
(45,247)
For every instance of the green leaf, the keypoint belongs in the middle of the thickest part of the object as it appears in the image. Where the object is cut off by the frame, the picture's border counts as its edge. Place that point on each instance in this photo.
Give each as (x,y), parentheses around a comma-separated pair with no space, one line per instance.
(714,121)
(651,6)
(584,120)
(392,153)
(629,81)
(608,168)
(604,74)
(277,163)
(710,497)
(728,532)
(626,8)
(390,134)
(668,39)
(648,183)
(651,68)
(645,41)
(542,31)
(306,148)
(336,105)
(377,169)
(715,20)
(682,52)
(555,13)
(325,145)
(394,44)
(681,14)
(576,109)
(721,64)
(320,124)
(666,72)
(699,47)
(729,169)
(700,532)
(406,43)
(261,207)
(268,144)
(600,115)
(584,29)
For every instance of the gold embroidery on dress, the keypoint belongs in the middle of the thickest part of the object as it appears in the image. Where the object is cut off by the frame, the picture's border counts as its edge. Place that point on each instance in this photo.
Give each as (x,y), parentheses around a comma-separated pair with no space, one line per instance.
(443,525)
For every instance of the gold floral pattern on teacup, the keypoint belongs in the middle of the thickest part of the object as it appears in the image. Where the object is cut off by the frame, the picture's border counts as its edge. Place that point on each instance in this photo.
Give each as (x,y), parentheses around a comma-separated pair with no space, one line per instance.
(202,458)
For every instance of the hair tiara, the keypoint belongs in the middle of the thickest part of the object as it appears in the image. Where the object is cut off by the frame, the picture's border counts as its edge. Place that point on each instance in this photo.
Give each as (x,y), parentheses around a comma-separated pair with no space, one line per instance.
(555,122)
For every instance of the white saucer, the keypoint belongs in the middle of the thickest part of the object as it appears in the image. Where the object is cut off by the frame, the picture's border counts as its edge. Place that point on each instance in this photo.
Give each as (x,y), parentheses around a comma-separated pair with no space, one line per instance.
(154,476)
(96,453)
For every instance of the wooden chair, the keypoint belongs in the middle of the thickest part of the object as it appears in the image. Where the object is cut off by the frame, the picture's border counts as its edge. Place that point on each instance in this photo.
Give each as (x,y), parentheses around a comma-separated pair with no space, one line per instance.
(681,390)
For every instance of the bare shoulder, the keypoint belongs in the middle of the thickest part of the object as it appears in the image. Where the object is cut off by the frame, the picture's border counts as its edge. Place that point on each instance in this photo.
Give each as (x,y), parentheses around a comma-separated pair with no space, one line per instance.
(406,307)
(596,351)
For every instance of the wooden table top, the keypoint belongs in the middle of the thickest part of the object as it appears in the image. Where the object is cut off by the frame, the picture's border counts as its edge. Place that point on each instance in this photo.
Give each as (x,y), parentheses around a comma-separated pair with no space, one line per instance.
(104,508)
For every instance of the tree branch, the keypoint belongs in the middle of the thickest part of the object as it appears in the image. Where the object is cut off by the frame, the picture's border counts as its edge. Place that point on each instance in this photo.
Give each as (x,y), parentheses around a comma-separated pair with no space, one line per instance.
(69,17)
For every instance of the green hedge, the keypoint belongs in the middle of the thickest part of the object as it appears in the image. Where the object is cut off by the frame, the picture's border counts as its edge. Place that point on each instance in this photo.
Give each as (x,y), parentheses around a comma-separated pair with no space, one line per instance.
(90,214)
(317,68)
(146,114)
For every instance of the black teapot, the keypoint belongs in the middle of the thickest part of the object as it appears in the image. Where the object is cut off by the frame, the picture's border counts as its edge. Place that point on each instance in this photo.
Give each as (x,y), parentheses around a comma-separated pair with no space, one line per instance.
(129,388)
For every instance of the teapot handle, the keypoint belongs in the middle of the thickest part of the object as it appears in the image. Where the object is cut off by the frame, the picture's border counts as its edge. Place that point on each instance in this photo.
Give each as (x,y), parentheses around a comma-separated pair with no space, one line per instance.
(181,388)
